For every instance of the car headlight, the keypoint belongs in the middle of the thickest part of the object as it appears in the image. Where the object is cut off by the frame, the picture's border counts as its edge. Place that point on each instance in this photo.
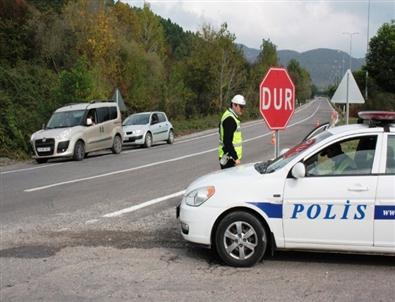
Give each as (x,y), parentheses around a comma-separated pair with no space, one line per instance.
(138,131)
(198,196)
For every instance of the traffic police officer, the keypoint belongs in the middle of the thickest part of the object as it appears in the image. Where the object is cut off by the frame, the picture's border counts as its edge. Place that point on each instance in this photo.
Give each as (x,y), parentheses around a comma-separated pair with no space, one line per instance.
(230,139)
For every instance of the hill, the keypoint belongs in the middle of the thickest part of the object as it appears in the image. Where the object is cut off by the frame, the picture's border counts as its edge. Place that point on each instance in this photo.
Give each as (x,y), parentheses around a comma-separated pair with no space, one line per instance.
(326,66)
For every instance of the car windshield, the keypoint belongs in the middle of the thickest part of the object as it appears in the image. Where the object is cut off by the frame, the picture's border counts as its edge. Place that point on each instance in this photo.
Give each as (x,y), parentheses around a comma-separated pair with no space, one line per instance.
(137,119)
(273,165)
(65,119)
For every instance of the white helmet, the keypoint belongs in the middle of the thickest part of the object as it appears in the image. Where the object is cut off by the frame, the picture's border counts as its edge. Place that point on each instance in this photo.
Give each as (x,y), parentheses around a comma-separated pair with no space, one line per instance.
(239,99)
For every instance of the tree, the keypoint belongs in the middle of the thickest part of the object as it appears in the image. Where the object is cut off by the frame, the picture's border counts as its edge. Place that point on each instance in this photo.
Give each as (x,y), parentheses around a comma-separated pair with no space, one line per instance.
(75,85)
(380,60)
(301,79)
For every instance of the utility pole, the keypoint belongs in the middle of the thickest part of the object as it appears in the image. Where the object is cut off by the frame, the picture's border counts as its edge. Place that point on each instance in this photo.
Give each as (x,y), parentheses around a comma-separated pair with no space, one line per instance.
(347,92)
(367,51)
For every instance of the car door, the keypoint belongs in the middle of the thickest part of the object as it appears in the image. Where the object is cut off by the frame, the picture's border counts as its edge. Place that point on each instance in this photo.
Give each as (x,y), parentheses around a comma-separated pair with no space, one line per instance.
(332,207)
(384,216)
(163,126)
(106,127)
(92,133)
(155,127)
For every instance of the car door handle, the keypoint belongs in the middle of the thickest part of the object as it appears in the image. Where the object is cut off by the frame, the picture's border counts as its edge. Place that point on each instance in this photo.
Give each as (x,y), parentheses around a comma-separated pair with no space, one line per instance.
(358,188)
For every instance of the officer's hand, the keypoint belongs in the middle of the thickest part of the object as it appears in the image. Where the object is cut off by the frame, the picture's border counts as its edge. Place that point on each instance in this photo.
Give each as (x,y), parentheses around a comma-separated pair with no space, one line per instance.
(237,162)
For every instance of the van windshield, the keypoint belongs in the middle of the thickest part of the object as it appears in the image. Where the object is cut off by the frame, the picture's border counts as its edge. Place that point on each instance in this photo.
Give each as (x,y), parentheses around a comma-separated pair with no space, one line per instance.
(137,119)
(65,119)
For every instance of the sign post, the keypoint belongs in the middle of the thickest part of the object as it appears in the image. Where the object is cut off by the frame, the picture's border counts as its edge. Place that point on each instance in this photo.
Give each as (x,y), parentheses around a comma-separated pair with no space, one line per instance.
(277,100)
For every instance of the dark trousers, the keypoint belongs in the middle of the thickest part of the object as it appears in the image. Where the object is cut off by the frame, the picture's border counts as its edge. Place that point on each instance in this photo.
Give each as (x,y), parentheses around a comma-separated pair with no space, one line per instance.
(231,163)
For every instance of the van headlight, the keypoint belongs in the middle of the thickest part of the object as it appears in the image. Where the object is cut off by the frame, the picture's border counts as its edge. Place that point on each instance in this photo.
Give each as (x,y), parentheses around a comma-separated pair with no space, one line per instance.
(198,196)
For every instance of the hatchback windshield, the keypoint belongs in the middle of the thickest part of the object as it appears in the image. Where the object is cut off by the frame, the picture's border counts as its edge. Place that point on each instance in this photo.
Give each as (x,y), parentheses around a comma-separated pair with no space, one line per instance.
(137,119)
(65,119)
(281,161)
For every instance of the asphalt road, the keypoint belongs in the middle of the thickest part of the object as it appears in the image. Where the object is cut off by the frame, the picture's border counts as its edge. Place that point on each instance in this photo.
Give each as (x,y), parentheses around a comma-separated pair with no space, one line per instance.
(104,229)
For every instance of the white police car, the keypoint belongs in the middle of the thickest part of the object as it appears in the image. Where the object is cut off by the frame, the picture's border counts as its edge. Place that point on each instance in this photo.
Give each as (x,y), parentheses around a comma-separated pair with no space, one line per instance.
(334,192)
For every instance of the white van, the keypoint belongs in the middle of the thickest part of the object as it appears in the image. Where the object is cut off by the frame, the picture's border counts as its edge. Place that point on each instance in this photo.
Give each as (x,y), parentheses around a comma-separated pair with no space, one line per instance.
(77,129)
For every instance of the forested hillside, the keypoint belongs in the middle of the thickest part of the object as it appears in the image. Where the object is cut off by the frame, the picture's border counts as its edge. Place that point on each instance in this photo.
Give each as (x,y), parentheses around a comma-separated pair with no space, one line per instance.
(63,51)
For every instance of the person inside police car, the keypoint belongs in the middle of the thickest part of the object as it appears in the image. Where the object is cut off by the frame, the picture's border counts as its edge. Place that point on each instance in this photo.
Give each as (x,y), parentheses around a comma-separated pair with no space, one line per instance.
(230,150)
(341,161)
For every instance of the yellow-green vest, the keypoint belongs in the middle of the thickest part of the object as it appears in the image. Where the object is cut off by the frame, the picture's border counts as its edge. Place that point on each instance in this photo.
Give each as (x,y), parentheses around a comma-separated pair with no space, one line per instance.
(237,137)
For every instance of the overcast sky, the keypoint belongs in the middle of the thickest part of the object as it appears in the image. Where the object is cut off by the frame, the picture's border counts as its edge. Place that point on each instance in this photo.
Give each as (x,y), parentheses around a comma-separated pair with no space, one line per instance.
(290,24)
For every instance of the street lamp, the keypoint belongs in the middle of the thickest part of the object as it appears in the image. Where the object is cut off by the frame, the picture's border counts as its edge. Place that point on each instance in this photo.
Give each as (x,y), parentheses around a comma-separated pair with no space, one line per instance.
(350,34)
(367,51)
(347,97)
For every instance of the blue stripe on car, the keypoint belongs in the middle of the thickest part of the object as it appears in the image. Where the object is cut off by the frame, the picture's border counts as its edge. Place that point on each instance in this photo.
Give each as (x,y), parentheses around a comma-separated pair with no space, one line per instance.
(272,210)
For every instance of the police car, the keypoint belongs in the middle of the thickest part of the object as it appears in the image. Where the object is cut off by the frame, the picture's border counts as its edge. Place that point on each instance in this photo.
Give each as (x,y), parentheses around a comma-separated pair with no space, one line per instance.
(334,191)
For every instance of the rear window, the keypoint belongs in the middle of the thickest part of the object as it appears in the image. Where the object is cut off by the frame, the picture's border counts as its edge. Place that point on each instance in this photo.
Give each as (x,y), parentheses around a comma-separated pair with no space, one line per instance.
(162,117)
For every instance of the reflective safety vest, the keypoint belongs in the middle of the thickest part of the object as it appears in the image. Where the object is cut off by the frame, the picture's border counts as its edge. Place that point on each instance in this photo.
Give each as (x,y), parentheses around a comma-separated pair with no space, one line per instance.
(237,137)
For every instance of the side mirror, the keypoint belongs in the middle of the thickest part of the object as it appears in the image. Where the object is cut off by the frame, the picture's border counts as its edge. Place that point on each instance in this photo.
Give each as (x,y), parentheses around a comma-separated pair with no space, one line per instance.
(89,122)
(299,170)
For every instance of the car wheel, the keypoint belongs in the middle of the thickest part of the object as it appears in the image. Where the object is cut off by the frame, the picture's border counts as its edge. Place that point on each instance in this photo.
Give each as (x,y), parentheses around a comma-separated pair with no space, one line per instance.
(117,145)
(170,140)
(79,151)
(240,239)
(41,160)
(148,140)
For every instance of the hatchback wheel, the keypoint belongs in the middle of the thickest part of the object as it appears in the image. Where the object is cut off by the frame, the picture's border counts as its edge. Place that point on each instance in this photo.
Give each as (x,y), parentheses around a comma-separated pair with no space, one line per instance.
(148,140)
(240,239)
(170,140)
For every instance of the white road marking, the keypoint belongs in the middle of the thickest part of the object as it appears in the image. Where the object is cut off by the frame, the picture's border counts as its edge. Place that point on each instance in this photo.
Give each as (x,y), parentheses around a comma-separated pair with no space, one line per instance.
(151,164)
(32,168)
(143,205)
(92,221)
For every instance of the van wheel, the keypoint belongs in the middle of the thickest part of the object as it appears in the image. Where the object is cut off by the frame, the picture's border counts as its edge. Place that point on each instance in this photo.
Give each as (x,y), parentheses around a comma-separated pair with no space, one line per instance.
(148,140)
(41,160)
(240,239)
(170,140)
(79,151)
(117,145)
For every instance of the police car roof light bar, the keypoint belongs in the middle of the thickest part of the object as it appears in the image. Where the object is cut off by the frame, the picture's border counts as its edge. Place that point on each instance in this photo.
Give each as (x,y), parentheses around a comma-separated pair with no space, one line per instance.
(377,118)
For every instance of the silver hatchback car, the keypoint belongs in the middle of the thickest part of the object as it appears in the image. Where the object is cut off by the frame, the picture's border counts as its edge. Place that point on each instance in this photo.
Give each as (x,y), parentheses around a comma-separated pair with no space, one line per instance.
(147,128)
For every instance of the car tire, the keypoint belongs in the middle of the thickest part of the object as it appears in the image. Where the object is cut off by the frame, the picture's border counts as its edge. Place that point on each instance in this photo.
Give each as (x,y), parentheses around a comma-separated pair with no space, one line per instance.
(148,140)
(117,145)
(79,151)
(41,160)
(240,239)
(170,139)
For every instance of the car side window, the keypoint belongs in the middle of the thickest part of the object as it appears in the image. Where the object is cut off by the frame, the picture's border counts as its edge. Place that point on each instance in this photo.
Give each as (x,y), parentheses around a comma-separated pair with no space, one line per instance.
(154,119)
(390,163)
(113,113)
(103,114)
(161,117)
(349,157)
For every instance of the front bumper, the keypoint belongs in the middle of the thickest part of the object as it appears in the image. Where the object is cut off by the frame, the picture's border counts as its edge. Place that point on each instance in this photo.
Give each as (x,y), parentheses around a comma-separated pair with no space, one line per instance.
(197,222)
(139,139)
(51,148)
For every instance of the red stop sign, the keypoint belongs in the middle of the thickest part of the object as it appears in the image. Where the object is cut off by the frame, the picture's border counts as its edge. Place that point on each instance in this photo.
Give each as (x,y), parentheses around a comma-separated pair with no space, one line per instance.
(277,98)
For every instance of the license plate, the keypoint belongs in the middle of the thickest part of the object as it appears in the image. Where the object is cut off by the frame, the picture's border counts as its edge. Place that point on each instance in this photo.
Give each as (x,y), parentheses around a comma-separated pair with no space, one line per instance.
(44,149)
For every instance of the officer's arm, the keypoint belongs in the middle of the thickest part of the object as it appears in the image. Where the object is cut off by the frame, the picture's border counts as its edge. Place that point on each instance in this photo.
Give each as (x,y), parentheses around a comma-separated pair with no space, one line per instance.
(229,126)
